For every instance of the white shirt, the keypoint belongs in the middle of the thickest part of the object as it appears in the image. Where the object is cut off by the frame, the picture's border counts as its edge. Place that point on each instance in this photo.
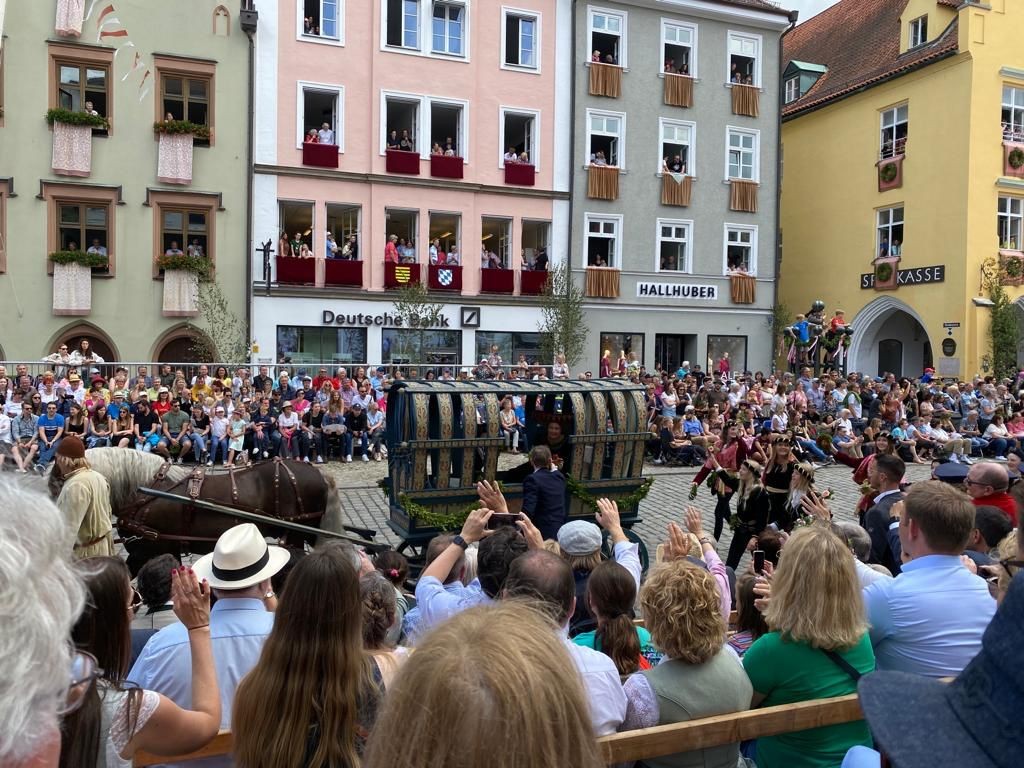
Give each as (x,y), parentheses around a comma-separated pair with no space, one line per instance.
(605,697)
(511,157)
(326,136)
(5,428)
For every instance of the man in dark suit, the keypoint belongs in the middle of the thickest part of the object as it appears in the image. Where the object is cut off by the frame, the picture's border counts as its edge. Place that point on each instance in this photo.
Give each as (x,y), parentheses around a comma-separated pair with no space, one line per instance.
(885,475)
(544,493)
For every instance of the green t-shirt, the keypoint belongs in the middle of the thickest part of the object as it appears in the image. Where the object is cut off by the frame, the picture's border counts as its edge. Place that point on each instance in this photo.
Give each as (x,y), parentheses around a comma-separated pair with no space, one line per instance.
(647,649)
(787,672)
(175,421)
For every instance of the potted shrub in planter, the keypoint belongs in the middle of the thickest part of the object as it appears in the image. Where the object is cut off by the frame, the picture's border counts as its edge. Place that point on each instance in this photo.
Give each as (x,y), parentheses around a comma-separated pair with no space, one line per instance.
(72,140)
(181,283)
(72,281)
(174,157)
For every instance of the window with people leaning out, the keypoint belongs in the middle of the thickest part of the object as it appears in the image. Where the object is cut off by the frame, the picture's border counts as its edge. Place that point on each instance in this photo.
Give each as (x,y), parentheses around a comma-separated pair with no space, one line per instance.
(401,123)
(675,146)
(495,243)
(607,41)
(445,232)
(321,18)
(604,137)
(744,59)
(890,232)
(677,41)
(320,113)
(84,88)
(1012,114)
(895,127)
(401,225)
(187,98)
(603,241)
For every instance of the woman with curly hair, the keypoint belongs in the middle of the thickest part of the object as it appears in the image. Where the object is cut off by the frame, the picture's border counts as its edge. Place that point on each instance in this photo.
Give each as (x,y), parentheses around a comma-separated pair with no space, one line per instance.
(818,647)
(680,603)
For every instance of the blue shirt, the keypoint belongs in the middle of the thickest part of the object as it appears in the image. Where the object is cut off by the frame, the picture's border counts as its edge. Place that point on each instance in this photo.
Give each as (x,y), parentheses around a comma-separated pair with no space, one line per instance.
(692,427)
(412,622)
(436,604)
(238,628)
(929,620)
(50,426)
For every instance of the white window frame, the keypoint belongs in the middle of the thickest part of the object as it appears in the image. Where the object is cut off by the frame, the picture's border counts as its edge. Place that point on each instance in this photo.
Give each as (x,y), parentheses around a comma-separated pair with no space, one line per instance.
(665,24)
(507,11)
(464,7)
(621,137)
(729,131)
(623,34)
(889,225)
(616,219)
(1016,106)
(535,150)
(1009,218)
(300,12)
(791,88)
(894,111)
(691,155)
(418,134)
(301,86)
(687,224)
(758,55)
(426,125)
(752,229)
(917,32)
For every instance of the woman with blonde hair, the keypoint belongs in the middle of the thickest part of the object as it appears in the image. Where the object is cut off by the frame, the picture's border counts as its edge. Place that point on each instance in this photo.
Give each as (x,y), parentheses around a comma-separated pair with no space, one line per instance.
(818,647)
(511,698)
(801,484)
(680,604)
(379,615)
(323,687)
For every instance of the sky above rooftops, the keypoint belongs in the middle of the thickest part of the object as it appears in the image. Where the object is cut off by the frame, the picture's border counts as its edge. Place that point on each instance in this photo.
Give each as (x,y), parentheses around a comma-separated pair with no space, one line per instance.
(807,8)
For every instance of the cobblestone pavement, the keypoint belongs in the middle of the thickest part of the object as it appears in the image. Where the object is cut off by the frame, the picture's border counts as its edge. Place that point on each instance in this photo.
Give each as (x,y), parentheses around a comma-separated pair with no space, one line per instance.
(366,506)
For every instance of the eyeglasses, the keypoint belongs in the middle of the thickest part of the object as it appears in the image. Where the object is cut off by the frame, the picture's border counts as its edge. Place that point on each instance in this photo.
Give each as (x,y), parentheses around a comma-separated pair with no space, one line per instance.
(136,602)
(84,671)
(968,481)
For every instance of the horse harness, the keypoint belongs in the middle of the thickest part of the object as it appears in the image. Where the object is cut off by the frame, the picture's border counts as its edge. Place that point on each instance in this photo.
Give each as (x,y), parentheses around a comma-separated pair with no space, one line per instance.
(133,518)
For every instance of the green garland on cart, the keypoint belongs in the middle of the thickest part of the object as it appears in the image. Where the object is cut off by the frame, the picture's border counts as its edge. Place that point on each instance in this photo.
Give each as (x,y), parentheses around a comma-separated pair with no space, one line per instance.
(581,493)
(428,518)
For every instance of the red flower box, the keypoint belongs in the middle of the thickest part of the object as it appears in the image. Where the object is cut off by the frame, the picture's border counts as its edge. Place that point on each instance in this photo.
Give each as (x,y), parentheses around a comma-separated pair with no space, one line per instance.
(400,275)
(498,280)
(532,283)
(399,161)
(340,272)
(520,173)
(444,277)
(296,271)
(320,155)
(446,167)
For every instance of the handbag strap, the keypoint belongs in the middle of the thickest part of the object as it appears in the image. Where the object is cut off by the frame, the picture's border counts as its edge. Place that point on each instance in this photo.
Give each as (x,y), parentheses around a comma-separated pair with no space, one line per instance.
(843,664)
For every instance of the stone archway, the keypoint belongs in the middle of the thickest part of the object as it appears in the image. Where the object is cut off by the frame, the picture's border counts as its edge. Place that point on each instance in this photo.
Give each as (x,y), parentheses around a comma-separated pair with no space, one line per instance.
(177,345)
(72,334)
(886,325)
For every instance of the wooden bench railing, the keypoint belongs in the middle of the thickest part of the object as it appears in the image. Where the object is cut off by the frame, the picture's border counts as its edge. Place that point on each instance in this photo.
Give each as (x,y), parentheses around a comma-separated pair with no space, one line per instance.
(660,740)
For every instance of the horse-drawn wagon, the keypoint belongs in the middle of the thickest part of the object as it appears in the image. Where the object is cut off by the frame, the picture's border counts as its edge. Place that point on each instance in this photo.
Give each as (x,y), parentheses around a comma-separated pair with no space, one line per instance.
(444,436)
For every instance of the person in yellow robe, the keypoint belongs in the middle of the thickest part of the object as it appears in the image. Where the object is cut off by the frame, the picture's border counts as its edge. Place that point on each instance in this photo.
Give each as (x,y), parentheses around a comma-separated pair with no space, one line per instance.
(85,501)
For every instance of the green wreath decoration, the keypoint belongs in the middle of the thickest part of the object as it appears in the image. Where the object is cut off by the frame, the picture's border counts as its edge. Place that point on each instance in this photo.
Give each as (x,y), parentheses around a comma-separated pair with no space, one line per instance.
(69,117)
(445,521)
(581,493)
(883,273)
(1014,267)
(888,172)
(1016,158)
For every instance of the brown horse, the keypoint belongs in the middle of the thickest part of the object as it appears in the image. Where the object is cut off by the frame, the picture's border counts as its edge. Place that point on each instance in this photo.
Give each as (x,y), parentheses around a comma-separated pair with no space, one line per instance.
(148,526)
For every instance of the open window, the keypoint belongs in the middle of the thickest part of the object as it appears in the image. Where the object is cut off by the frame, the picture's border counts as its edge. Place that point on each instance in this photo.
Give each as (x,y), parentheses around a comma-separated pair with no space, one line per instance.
(343,223)
(744,59)
(740,249)
(603,240)
(403,23)
(445,233)
(918,32)
(297,224)
(403,223)
(895,127)
(521,41)
(676,145)
(322,19)
(536,239)
(1012,114)
(321,112)
(605,138)
(84,227)
(518,136)
(792,89)
(446,129)
(80,85)
(674,245)
(1011,218)
(678,48)
(185,229)
(890,232)
(448,28)
(401,121)
(607,35)
(495,242)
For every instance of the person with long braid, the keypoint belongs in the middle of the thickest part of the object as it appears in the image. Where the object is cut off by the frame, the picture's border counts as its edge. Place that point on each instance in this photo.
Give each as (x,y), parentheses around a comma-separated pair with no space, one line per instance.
(730,455)
(753,507)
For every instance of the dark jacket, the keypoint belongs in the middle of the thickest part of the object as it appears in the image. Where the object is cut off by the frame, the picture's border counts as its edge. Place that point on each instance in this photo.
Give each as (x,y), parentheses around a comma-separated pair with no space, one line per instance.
(885,548)
(544,501)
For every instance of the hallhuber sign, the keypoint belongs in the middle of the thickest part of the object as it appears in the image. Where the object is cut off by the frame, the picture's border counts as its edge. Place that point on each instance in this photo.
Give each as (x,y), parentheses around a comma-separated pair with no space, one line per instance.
(677,291)
(915,276)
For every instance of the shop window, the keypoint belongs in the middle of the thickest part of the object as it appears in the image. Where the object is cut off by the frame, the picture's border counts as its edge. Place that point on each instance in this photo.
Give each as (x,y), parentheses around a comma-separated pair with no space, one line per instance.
(730,348)
(403,346)
(298,344)
(510,346)
(627,346)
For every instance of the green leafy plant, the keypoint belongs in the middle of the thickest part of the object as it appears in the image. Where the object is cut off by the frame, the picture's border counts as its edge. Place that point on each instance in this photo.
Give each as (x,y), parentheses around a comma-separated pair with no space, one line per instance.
(888,172)
(181,128)
(1016,158)
(1014,268)
(883,273)
(563,327)
(417,312)
(223,336)
(198,264)
(67,117)
(1002,326)
(91,260)
(579,491)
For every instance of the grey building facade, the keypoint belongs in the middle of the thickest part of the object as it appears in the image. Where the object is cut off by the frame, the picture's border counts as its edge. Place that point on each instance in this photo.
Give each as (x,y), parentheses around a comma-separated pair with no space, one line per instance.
(675,179)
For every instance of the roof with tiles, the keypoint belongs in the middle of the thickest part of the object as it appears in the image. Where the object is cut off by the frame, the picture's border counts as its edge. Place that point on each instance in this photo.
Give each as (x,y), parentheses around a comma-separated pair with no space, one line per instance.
(764,5)
(859,43)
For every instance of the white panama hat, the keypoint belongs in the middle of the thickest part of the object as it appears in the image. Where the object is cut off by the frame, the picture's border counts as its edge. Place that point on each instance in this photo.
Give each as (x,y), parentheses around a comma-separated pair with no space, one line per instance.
(240,559)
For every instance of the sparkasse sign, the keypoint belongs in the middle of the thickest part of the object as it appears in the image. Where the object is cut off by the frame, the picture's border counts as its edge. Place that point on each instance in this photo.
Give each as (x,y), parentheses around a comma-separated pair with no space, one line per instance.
(915,276)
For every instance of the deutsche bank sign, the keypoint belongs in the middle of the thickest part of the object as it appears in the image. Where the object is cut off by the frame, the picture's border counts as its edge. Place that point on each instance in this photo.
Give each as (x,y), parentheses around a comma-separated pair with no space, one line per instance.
(677,291)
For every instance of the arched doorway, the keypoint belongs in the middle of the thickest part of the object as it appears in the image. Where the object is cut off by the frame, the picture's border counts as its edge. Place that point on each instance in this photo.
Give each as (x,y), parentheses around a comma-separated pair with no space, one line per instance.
(178,345)
(72,335)
(889,337)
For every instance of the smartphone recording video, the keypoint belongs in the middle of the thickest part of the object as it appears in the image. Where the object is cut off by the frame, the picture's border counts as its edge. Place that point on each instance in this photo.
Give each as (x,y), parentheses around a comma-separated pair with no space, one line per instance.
(758,561)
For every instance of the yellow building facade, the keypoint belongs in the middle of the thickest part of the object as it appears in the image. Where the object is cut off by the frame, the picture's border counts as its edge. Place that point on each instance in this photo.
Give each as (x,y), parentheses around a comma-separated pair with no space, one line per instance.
(899,178)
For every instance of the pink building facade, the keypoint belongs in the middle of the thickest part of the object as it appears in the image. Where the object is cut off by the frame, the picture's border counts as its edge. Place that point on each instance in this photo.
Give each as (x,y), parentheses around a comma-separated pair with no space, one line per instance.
(464,86)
